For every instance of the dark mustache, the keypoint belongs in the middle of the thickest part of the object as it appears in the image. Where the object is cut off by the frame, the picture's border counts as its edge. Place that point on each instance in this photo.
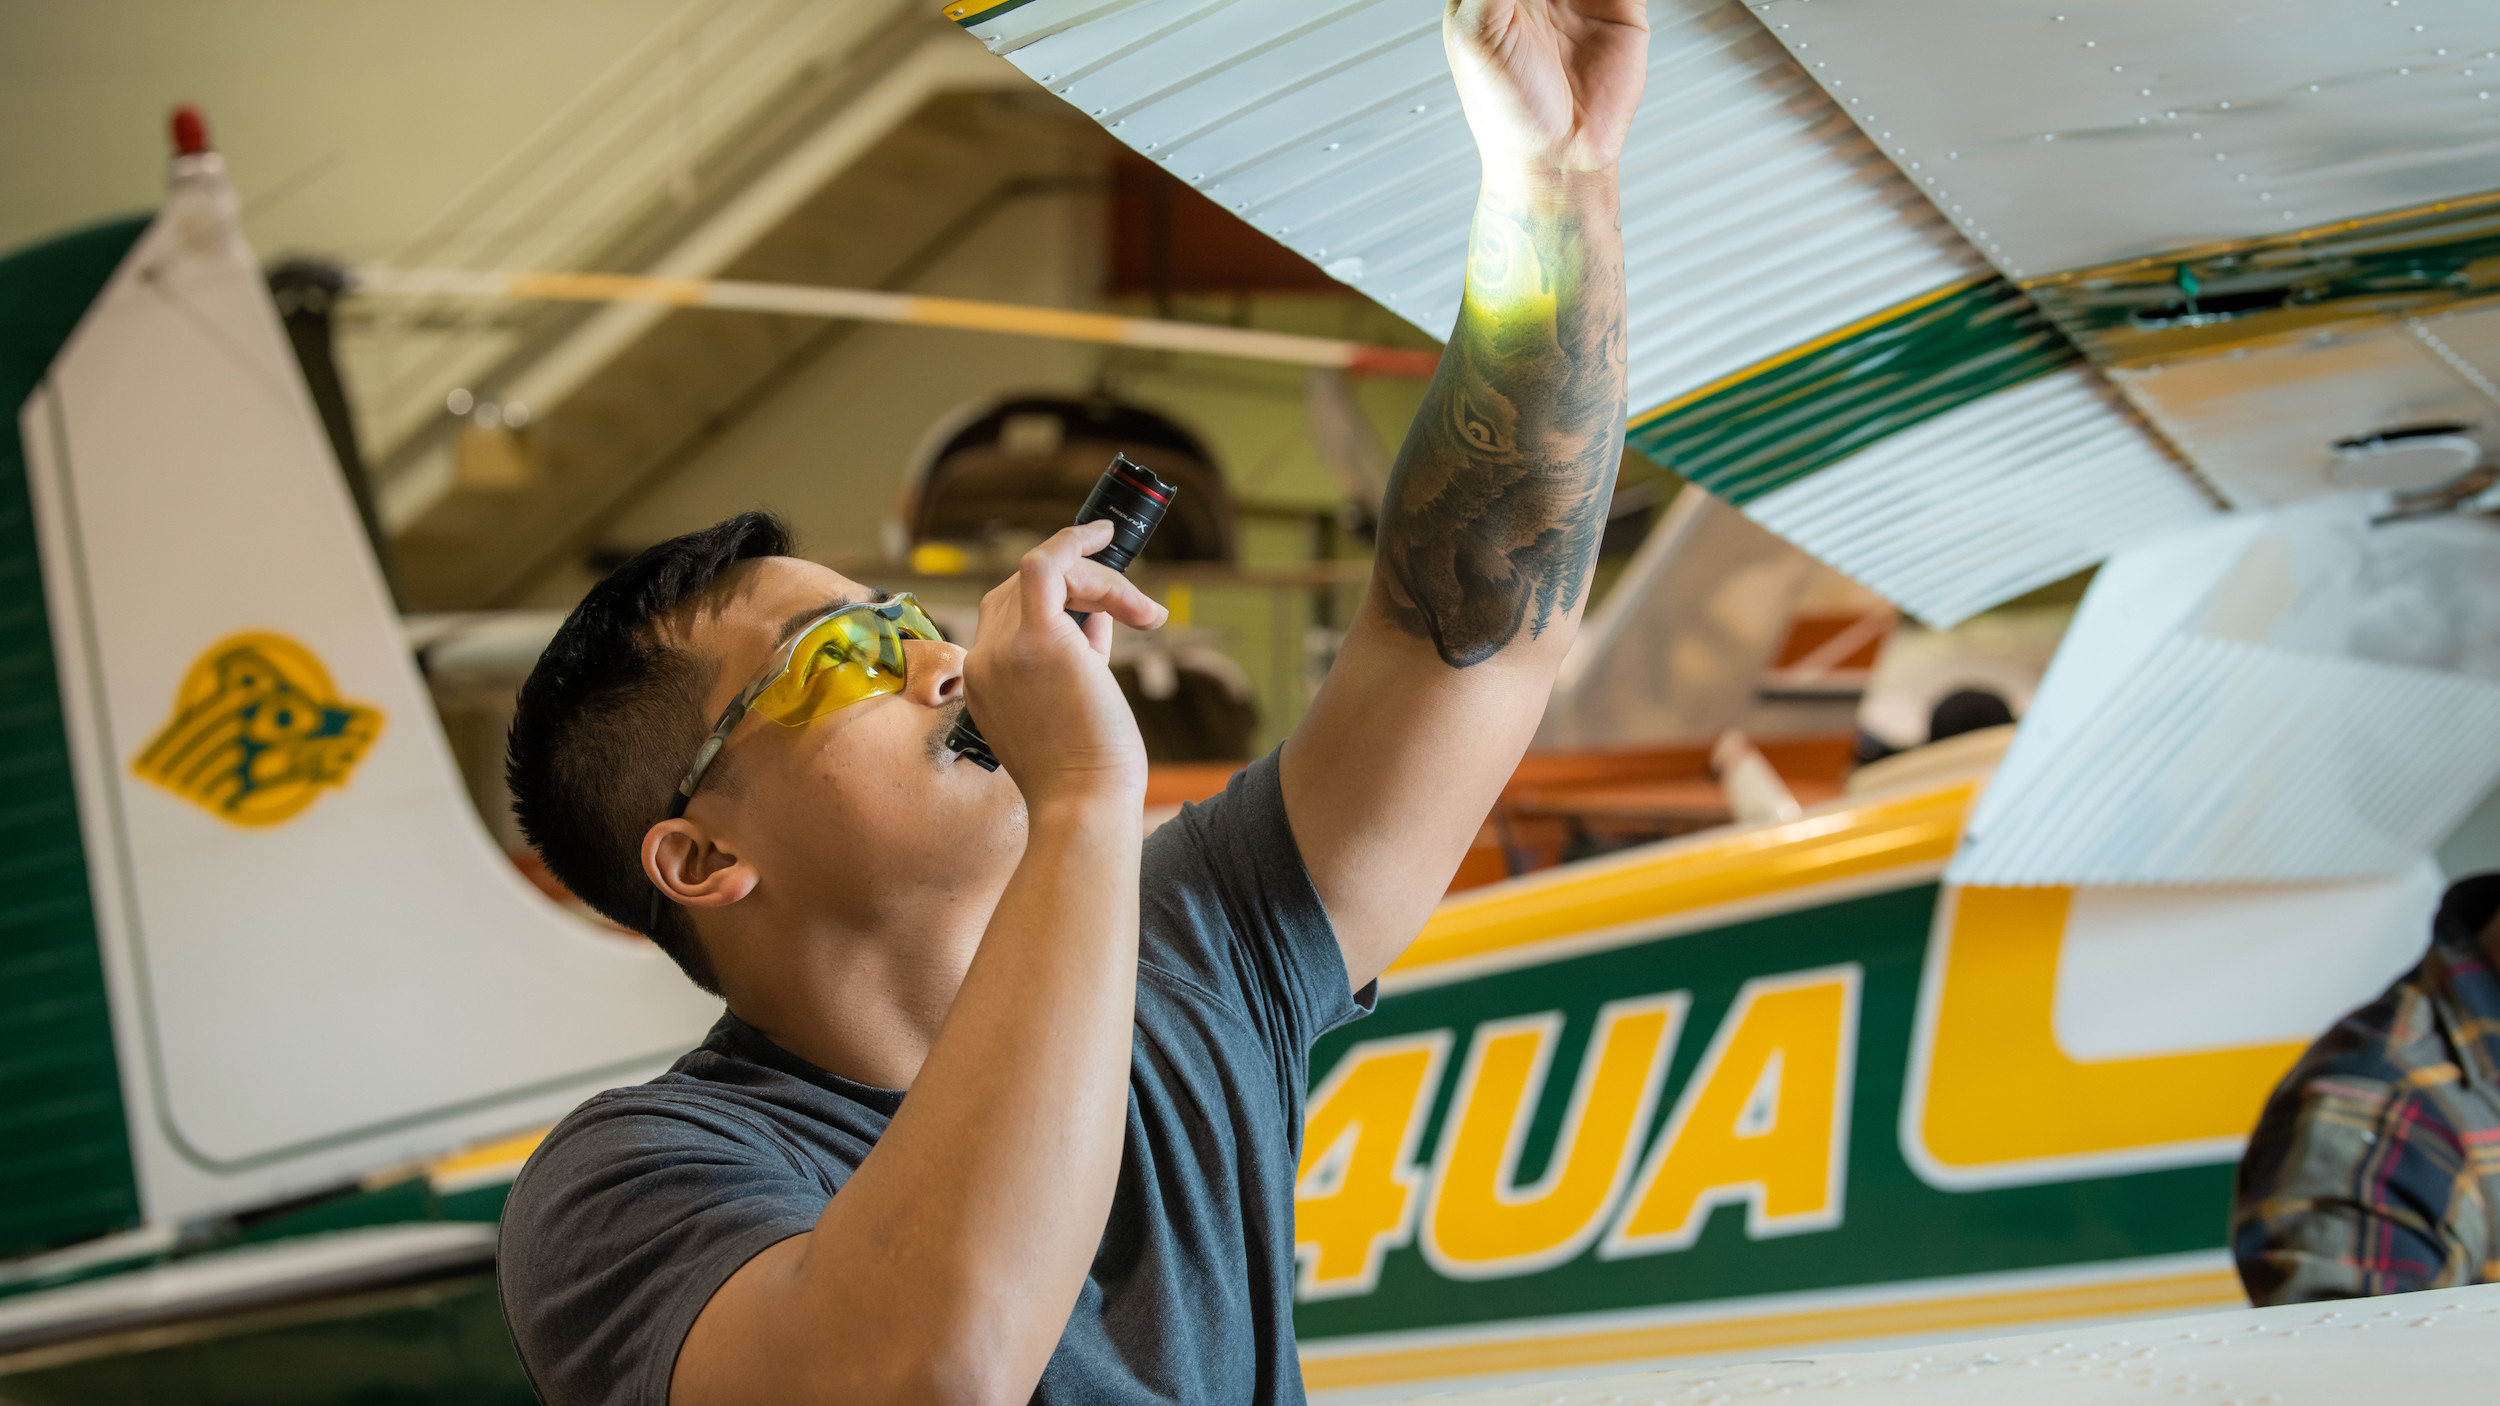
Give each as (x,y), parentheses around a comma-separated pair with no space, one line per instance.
(941,755)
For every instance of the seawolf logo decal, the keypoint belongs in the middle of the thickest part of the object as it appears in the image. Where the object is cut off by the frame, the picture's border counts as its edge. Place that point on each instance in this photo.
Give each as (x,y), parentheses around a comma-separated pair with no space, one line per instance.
(257,732)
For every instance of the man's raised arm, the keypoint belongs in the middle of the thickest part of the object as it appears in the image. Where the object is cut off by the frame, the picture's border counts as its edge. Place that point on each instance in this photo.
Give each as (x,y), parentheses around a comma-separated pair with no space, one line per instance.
(1489,533)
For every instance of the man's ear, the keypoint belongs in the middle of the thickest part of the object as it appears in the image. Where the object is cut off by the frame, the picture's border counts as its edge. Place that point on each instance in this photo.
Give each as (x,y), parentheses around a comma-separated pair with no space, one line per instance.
(691,867)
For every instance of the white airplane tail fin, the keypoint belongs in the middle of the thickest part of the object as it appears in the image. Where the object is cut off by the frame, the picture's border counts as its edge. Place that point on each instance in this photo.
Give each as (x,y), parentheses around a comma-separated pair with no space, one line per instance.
(317,962)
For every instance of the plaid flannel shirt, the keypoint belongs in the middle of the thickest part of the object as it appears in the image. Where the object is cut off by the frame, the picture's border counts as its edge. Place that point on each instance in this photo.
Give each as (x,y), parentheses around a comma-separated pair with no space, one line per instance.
(2376,1166)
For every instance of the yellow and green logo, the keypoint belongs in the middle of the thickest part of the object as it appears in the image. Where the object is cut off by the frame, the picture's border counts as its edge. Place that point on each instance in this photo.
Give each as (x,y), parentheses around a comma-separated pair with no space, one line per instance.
(258,731)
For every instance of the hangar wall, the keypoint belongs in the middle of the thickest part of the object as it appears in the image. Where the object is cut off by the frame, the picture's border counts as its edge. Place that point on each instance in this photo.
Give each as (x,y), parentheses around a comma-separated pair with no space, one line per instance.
(414,102)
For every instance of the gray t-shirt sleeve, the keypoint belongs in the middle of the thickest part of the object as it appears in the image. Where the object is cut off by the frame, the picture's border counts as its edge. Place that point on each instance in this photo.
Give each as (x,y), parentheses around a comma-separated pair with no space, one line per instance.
(623,1224)
(1227,904)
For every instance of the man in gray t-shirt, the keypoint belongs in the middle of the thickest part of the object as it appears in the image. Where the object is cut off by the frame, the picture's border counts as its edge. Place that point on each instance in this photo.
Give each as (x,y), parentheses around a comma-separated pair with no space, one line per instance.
(1007,1101)
(647,1198)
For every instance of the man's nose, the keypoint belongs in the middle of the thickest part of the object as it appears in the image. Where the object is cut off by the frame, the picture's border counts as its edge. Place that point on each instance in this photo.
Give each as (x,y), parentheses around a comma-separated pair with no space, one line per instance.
(934,671)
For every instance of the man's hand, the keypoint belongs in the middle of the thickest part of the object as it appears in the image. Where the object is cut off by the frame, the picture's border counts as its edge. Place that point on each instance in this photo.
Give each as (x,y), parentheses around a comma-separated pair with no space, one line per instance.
(1042,687)
(1549,85)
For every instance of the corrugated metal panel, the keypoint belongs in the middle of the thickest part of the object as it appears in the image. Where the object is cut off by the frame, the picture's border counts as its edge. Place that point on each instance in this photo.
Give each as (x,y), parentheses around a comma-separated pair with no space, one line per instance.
(1756,215)
(2275,696)
(2220,761)
(1987,501)
(1776,423)
(65,1170)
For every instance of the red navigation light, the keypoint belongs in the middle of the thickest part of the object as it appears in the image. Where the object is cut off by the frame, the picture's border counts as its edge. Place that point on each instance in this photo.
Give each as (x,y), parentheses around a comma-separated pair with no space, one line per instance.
(190,130)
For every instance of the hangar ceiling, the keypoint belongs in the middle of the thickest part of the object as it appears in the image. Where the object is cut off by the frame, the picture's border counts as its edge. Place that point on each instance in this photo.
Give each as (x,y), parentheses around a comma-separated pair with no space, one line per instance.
(650,399)
(855,171)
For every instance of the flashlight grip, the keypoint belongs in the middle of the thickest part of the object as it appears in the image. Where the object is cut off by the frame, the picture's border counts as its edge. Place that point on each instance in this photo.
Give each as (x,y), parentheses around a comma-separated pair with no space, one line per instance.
(1134,500)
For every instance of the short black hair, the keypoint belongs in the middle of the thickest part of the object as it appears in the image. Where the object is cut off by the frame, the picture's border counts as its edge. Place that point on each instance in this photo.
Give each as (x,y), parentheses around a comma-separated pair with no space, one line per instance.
(610,718)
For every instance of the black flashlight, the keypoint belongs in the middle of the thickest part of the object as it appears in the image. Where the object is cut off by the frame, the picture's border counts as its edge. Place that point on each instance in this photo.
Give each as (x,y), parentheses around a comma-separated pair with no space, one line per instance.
(1135,501)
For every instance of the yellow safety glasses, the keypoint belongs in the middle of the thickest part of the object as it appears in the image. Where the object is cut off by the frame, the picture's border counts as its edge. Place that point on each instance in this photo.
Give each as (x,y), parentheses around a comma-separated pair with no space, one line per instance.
(843,657)
(848,656)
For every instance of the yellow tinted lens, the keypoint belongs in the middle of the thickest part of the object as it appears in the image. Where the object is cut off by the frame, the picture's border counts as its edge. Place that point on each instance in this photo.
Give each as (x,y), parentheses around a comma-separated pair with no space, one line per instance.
(846,658)
(915,622)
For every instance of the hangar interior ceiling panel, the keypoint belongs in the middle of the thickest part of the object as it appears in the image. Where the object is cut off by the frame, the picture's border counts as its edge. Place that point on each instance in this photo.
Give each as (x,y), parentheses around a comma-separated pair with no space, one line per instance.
(2005,494)
(1767,238)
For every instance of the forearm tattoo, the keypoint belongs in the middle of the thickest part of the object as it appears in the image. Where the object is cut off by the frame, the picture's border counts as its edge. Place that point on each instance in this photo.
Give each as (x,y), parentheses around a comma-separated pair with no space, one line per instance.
(1499,496)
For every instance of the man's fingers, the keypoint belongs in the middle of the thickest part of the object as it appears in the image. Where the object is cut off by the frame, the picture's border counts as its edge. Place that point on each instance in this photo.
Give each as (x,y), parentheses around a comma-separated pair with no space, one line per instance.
(998,607)
(1094,586)
(1074,544)
(1057,576)
(1043,580)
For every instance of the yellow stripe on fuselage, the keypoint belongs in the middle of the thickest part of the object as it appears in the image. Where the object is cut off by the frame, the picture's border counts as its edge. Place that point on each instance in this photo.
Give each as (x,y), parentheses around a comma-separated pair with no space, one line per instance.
(1956,1312)
(476,1163)
(1847,842)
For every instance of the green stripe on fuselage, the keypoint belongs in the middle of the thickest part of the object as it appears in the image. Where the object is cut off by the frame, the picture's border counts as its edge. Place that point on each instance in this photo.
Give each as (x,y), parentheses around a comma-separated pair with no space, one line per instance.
(65,1171)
